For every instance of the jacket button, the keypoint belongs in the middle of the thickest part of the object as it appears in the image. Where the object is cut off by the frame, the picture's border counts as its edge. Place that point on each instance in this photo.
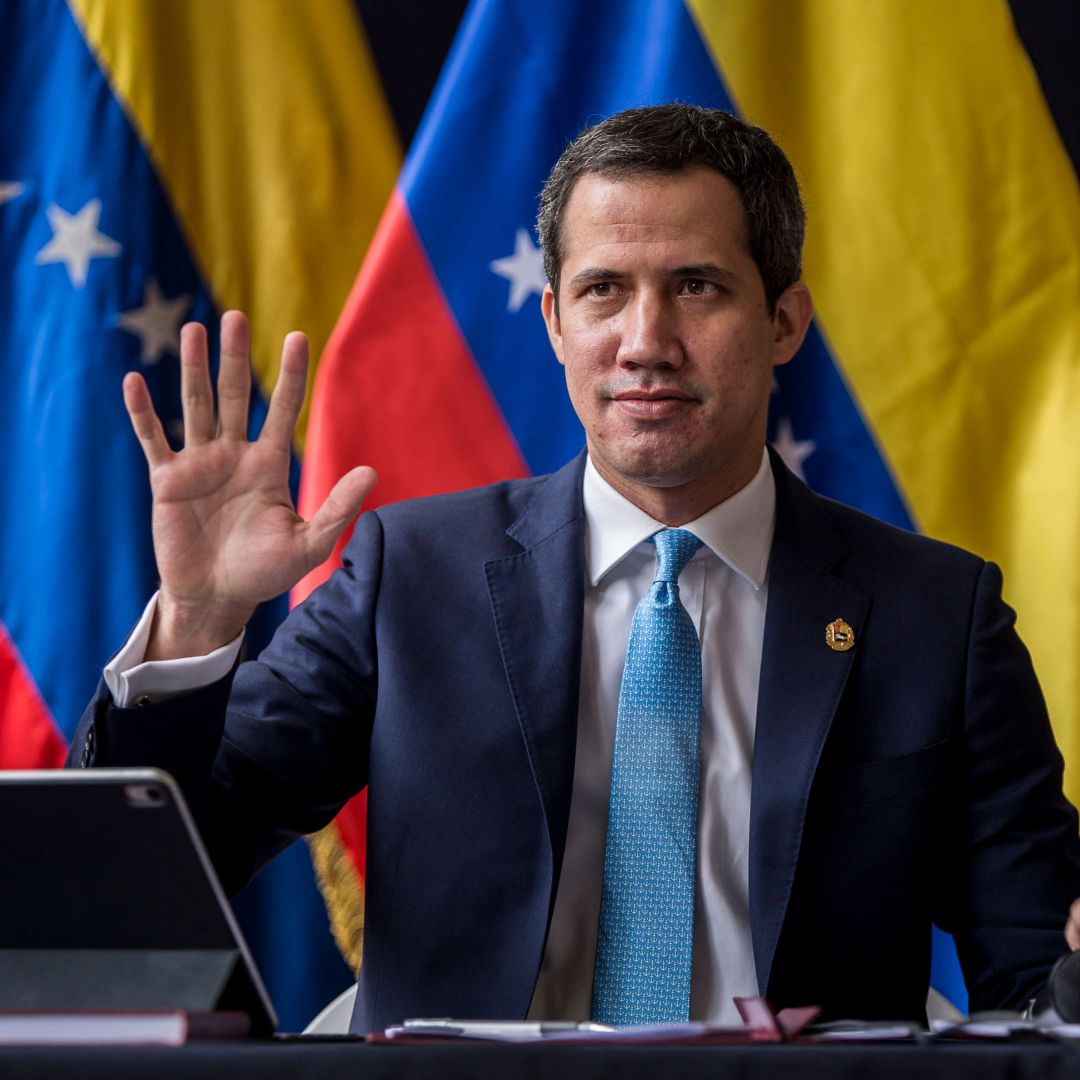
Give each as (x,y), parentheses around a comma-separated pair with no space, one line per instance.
(88,750)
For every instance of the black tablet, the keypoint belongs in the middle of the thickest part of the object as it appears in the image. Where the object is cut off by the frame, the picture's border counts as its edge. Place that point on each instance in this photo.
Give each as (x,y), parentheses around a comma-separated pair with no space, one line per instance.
(109,901)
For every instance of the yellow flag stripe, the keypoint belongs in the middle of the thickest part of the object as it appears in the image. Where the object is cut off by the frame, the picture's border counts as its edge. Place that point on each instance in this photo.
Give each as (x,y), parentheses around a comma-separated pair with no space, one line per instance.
(268,128)
(944,257)
(342,889)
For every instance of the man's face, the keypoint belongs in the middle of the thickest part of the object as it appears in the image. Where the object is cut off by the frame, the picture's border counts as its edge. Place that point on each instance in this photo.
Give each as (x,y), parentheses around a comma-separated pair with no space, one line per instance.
(665,336)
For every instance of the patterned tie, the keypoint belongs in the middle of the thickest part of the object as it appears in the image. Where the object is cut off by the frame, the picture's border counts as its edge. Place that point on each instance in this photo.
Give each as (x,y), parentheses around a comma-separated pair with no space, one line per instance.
(647,911)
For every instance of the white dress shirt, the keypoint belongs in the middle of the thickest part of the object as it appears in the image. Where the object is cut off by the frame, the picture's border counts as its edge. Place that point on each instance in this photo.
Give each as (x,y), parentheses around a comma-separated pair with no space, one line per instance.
(724,588)
(131,679)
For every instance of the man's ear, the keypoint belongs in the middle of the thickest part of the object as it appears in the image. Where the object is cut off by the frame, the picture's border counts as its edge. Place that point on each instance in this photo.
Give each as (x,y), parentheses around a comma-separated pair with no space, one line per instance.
(794,310)
(551,320)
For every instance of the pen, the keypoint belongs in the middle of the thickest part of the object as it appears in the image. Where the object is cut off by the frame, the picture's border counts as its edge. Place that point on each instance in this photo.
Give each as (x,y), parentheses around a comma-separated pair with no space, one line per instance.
(495,1029)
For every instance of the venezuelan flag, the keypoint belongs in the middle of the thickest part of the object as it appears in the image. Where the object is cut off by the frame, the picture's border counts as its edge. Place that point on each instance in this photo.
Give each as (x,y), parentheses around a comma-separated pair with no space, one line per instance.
(160,162)
(937,386)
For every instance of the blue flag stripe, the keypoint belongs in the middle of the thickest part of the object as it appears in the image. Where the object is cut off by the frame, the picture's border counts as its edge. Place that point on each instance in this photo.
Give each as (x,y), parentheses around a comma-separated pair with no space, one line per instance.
(76,566)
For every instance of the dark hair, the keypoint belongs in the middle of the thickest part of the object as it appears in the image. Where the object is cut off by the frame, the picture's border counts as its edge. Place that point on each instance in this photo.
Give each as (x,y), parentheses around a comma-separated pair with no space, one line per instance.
(668,139)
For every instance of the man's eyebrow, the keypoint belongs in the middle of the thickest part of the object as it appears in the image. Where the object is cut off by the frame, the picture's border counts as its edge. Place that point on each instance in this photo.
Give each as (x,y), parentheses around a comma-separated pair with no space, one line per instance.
(706,270)
(593,273)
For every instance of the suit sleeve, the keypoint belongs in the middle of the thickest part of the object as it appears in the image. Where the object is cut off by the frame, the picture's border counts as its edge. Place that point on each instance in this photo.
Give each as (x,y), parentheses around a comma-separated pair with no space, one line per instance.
(273,752)
(1021,864)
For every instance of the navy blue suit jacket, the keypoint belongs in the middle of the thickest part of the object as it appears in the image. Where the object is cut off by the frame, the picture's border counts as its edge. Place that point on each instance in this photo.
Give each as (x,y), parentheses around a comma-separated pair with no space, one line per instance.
(913,778)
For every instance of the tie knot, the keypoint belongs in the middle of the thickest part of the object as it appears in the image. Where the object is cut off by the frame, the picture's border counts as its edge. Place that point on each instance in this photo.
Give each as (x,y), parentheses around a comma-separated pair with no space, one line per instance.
(674,549)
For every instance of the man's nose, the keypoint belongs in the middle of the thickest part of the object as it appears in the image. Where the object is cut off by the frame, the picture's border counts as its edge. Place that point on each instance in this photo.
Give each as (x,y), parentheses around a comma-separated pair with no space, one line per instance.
(649,333)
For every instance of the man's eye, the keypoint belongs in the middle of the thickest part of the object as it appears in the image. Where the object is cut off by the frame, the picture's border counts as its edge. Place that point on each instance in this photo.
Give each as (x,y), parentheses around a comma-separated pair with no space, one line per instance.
(698,287)
(601,289)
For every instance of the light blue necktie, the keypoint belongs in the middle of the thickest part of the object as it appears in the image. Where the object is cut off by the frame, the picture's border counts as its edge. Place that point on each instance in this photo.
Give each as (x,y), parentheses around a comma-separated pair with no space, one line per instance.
(646,936)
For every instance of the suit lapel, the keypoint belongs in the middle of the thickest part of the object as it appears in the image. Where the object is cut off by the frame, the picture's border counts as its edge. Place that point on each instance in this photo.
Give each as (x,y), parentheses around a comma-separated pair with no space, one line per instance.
(537,600)
(802,680)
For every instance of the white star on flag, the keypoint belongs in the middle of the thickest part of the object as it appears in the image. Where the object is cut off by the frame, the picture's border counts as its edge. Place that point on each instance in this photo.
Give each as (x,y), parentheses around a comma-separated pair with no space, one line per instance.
(792,450)
(76,240)
(524,270)
(10,189)
(156,323)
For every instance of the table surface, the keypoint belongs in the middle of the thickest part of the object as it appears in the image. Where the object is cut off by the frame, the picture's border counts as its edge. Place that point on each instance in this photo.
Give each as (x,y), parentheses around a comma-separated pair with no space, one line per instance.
(329,1059)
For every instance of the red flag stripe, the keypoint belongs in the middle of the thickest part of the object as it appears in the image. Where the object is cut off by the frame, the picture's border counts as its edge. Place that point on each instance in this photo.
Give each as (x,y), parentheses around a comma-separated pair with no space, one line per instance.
(28,737)
(397,388)
(352,828)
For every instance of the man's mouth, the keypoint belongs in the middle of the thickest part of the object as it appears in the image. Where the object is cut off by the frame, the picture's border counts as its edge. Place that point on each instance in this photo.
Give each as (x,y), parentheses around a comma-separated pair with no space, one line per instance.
(653,402)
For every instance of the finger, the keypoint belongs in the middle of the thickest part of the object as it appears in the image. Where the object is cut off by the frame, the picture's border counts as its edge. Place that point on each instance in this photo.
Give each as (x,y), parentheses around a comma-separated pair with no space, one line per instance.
(288,396)
(338,509)
(144,420)
(234,376)
(196,395)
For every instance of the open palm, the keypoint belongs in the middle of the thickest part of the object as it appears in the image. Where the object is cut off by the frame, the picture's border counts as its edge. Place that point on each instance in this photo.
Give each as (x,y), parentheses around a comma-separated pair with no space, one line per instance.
(226,535)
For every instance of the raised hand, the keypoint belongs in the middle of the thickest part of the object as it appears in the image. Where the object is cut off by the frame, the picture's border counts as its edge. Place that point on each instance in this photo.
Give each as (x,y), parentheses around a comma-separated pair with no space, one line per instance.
(226,535)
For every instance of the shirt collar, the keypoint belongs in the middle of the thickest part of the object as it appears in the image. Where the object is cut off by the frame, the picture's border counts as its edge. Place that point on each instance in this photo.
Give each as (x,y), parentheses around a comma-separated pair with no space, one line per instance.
(739,530)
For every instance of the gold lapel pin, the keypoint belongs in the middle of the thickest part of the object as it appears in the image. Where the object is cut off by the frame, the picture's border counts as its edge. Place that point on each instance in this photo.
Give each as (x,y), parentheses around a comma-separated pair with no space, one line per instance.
(839,636)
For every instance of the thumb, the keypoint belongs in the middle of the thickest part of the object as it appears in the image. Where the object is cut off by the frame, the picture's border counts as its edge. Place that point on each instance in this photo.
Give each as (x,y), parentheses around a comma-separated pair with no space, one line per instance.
(339,508)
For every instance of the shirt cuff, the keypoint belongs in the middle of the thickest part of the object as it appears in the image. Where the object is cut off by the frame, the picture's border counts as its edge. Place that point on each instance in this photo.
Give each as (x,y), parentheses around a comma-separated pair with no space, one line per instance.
(134,681)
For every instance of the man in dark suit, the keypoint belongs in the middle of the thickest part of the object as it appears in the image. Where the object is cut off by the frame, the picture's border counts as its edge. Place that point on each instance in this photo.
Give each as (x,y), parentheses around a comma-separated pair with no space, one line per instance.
(875,753)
